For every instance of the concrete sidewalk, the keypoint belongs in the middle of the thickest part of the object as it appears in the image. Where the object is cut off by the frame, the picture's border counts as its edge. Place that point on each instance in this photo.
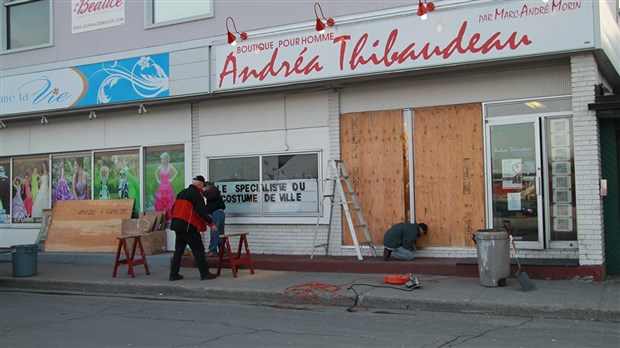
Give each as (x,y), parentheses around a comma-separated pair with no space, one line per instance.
(75,273)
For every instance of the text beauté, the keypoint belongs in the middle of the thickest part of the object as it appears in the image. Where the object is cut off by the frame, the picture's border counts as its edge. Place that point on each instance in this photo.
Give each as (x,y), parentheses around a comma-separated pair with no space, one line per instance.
(89,6)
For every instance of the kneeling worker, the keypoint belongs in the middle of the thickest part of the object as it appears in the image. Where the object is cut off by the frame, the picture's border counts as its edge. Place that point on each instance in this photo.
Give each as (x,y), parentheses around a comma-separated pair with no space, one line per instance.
(399,240)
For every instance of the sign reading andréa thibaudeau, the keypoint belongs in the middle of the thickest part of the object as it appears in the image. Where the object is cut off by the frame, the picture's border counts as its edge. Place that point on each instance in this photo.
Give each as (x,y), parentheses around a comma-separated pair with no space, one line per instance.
(87,15)
(495,31)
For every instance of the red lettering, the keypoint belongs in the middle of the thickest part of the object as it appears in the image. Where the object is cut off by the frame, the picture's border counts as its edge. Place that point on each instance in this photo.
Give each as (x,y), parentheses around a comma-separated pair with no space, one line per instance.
(376,54)
(565,6)
(427,51)
(357,50)
(386,59)
(85,6)
(268,69)
(454,44)
(300,67)
(230,59)
(343,46)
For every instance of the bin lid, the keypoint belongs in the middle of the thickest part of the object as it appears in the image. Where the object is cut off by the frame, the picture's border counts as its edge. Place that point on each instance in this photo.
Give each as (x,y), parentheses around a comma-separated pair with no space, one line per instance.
(493,233)
(24,247)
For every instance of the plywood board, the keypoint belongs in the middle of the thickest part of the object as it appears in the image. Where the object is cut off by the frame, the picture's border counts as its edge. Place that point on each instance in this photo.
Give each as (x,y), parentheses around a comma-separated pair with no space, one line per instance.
(87,225)
(153,218)
(449,173)
(135,226)
(372,150)
(153,241)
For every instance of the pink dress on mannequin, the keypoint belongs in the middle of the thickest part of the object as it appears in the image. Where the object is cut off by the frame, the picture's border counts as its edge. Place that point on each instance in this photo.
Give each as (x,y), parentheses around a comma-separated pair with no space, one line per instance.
(28,197)
(164,197)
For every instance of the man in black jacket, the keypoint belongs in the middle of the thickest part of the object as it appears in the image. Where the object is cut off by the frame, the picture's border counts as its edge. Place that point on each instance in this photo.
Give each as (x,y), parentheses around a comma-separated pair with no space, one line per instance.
(215,208)
(400,240)
(189,218)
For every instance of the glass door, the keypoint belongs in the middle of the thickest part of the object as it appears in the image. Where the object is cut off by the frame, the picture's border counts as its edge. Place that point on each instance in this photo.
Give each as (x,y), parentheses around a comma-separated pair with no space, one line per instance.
(515,189)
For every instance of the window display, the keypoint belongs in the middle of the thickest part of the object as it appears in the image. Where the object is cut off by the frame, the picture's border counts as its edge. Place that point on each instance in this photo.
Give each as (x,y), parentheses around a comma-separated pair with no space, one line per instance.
(5,191)
(31,192)
(117,176)
(164,173)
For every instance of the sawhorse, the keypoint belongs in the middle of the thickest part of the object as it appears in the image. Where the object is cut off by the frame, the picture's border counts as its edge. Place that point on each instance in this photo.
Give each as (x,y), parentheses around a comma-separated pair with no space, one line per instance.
(129,259)
(234,260)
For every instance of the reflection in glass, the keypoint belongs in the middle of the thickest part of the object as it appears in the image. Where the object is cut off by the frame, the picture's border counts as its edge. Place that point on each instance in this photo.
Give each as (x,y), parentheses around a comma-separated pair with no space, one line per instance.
(28,24)
(238,180)
(561,179)
(290,167)
(234,169)
(166,10)
(513,163)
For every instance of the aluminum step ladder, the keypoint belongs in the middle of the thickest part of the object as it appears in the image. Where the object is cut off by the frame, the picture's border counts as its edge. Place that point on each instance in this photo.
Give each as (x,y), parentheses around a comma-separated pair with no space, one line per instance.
(337,174)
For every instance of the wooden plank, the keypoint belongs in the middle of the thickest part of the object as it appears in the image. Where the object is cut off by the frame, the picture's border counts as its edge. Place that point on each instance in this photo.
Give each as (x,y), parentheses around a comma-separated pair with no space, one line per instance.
(372,148)
(449,173)
(153,218)
(87,225)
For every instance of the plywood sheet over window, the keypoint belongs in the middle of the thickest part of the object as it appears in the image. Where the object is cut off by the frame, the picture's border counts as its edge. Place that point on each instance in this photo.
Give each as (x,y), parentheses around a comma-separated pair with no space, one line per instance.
(372,147)
(449,173)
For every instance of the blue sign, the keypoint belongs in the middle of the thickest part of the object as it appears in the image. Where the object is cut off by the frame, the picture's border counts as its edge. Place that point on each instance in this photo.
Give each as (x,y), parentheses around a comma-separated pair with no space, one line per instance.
(146,77)
(118,81)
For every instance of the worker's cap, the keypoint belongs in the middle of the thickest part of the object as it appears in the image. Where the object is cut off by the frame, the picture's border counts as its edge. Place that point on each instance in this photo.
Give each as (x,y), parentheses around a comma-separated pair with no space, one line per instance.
(424,227)
(200,178)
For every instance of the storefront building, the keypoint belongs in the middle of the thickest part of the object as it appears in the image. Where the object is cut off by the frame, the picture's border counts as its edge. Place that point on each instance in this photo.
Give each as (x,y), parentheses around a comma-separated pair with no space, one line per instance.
(484,113)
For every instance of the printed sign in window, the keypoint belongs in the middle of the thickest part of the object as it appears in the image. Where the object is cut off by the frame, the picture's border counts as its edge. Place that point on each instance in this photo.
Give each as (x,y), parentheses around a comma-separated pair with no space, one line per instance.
(95,15)
(512,173)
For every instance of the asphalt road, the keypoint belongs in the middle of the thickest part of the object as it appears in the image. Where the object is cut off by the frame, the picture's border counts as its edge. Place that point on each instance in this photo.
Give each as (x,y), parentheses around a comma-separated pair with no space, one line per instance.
(70,320)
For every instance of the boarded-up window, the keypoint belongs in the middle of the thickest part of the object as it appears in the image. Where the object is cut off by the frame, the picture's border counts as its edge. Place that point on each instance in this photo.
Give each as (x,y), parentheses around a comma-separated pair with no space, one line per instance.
(372,148)
(449,173)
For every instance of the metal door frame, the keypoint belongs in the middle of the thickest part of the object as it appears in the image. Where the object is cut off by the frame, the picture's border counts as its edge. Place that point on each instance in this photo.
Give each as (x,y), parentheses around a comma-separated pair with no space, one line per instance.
(538,141)
(531,109)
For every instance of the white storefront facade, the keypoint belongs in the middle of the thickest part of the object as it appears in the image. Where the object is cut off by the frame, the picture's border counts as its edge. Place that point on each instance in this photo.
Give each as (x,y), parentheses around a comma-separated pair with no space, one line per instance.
(475,116)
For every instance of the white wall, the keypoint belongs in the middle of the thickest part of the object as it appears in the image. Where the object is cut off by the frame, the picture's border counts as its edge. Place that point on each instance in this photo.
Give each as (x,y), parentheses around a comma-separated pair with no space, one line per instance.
(587,162)
(261,125)
(264,125)
(111,129)
(610,34)
(254,125)
(549,80)
(248,16)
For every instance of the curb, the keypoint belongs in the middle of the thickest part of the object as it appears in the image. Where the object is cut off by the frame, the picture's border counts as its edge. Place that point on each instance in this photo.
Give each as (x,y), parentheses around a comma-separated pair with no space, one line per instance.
(179,292)
(494,309)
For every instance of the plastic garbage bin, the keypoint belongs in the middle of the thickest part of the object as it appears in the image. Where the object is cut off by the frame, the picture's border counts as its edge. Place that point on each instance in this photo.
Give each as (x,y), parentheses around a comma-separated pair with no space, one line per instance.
(24,260)
(493,256)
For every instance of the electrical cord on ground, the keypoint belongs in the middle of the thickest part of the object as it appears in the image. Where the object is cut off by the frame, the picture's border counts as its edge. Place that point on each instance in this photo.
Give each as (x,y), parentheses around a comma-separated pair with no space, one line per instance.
(302,296)
(350,309)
